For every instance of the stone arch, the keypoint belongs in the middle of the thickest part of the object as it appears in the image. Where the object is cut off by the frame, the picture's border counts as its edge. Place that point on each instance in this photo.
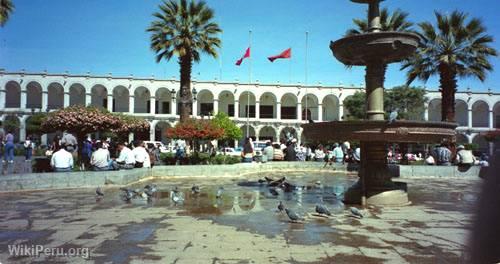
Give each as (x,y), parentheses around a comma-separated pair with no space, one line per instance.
(77,94)
(288,106)
(251,133)
(434,110)
(283,133)
(330,108)
(496,115)
(267,133)
(163,99)
(33,95)
(267,102)
(99,96)
(461,113)
(12,95)
(226,102)
(205,101)
(482,144)
(161,131)
(142,101)
(55,98)
(309,104)
(121,99)
(247,98)
(480,114)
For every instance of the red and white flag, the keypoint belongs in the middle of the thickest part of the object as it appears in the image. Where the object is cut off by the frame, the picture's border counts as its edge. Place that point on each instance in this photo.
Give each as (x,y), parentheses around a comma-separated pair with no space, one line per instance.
(247,55)
(284,55)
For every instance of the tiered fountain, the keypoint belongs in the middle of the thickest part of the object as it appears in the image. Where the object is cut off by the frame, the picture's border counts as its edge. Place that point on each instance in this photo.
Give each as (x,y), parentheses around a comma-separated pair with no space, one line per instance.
(375,50)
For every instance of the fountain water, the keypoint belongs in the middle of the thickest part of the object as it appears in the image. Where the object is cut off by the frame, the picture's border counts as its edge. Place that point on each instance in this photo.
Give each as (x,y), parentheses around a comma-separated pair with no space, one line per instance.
(375,50)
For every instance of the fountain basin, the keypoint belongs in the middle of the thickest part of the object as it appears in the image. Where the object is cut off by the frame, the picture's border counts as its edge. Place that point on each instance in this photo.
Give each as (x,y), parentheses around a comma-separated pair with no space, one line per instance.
(381,131)
(386,47)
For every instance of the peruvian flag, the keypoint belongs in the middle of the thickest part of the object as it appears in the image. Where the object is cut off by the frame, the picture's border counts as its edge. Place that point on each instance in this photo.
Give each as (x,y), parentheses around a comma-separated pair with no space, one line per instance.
(284,55)
(247,55)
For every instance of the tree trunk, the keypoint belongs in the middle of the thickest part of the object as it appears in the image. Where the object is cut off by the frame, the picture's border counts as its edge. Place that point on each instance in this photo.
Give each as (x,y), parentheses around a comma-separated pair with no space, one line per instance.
(186,98)
(448,84)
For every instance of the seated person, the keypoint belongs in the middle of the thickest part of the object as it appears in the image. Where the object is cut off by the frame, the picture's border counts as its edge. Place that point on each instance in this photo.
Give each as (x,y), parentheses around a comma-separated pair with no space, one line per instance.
(443,155)
(248,151)
(464,157)
(62,161)
(356,155)
(319,154)
(268,152)
(100,160)
(141,155)
(278,153)
(126,159)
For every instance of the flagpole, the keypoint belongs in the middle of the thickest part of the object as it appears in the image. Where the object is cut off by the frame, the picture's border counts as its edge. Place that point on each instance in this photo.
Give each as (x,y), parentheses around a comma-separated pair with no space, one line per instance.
(220,57)
(249,81)
(290,70)
(305,70)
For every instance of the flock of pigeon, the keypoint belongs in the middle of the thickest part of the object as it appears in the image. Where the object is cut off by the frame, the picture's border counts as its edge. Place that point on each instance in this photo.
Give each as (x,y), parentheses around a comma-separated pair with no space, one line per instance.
(149,191)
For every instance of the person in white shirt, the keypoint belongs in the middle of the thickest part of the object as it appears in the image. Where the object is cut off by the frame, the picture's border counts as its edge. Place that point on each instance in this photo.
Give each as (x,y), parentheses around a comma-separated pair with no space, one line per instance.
(62,161)
(100,159)
(141,156)
(126,159)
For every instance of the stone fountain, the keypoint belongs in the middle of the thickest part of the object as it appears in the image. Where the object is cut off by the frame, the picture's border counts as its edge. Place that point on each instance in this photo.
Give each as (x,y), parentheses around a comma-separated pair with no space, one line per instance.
(375,50)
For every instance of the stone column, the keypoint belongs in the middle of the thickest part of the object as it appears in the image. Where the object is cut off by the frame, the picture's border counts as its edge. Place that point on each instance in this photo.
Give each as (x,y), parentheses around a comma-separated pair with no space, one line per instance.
(43,139)
(469,121)
(2,98)
(257,109)
(278,110)
(130,137)
(110,103)
(491,121)
(22,129)
(173,106)
(131,104)
(24,97)
(216,106)
(299,112)
(45,100)
(195,108)
(152,107)
(66,99)
(88,99)
(320,112)
(236,109)
(151,132)
(375,90)
(426,112)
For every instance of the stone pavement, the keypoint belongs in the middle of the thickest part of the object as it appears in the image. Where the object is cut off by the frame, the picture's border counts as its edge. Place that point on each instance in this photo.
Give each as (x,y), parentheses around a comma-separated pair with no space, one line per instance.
(241,228)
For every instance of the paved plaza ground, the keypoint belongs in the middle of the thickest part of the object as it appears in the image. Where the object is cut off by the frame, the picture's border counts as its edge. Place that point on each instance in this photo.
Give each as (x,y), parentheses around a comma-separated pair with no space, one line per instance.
(242,227)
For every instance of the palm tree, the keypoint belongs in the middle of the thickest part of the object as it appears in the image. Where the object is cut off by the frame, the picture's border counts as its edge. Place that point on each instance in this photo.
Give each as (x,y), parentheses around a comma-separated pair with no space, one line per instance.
(397,21)
(184,30)
(456,48)
(6,8)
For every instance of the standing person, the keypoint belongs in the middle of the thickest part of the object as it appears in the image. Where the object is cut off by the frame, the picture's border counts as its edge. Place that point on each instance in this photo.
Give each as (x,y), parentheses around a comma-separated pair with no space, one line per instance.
(179,153)
(100,159)
(338,154)
(278,154)
(248,151)
(70,143)
(443,155)
(28,149)
(9,148)
(291,154)
(62,161)
(86,153)
(319,154)
(141,155)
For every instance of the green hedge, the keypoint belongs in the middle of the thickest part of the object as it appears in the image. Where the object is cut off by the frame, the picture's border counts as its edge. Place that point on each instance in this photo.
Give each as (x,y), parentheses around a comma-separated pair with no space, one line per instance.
(199,159)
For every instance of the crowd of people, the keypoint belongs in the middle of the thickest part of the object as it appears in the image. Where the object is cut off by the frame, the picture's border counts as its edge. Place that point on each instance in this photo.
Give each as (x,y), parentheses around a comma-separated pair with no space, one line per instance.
(444,156)
(100,155)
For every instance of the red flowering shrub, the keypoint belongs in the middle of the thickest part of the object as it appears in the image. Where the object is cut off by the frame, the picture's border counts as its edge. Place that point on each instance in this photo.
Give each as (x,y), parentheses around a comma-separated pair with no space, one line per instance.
(491,135)
(192,129)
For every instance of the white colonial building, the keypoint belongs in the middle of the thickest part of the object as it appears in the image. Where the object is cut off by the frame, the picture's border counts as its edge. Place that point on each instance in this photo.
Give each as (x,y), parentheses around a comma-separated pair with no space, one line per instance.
(273,108)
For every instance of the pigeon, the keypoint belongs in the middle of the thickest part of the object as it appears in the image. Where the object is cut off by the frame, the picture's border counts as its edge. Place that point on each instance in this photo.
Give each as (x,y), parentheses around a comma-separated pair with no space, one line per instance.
(261,181)
(294,217)
(322,209)
(195,189)
(273,191)
(393,116)
(176,196)
(99,192)
(127,195)
(150,190)
(356,212)
(281,206)
(218,195)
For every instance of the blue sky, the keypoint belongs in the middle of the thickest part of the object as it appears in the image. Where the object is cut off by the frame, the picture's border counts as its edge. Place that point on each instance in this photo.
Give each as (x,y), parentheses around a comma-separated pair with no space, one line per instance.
(103,36)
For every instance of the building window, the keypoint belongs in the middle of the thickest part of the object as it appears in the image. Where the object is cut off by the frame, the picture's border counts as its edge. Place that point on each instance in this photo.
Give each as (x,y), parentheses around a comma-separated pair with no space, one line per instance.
(288,112)
(230,110)
(497,121)
(266,111)
(251,111)
(165,108)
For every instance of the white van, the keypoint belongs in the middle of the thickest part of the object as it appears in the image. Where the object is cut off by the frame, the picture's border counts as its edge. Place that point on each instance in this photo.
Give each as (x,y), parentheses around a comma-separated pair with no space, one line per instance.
(158,144)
